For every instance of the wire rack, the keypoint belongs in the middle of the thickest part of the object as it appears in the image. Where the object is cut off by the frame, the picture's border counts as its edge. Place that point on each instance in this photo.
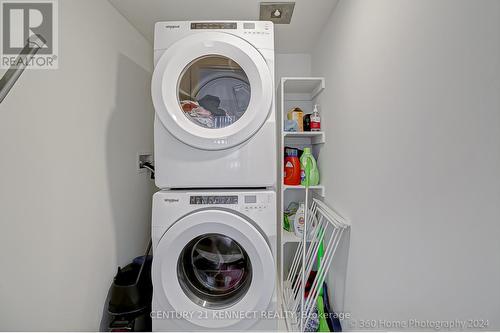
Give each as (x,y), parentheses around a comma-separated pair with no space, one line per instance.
(323,231)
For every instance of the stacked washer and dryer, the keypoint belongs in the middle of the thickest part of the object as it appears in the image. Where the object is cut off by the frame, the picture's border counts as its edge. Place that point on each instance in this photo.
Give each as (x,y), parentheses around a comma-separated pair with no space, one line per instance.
(214,221)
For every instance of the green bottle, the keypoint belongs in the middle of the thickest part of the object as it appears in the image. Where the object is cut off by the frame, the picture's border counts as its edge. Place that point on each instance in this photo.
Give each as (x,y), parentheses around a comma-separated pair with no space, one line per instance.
(309,173)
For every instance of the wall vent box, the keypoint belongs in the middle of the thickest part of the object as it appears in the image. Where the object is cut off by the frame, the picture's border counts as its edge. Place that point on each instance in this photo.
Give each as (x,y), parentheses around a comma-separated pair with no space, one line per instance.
(277,12)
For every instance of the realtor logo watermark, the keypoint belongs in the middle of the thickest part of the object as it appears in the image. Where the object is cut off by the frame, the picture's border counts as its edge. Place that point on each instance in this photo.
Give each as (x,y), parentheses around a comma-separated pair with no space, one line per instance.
(29,34)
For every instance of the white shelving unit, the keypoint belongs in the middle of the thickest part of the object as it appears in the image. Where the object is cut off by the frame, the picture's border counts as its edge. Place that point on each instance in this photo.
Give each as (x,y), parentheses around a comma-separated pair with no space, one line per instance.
(320,189)
(289,237)
(315,137)
(295,92)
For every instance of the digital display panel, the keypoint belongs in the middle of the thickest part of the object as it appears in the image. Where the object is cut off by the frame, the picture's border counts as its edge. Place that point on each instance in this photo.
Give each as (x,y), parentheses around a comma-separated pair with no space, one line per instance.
(248,25)
(213,25)
(213,199)
(250,199)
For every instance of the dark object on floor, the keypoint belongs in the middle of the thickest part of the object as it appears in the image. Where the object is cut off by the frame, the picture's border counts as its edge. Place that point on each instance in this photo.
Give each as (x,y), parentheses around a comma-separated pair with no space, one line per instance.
(130,296)
(139,322)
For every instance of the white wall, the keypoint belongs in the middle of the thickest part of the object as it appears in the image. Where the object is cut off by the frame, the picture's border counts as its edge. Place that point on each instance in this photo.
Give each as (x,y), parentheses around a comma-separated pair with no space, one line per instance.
(292,64)
(72,206)
(412,112)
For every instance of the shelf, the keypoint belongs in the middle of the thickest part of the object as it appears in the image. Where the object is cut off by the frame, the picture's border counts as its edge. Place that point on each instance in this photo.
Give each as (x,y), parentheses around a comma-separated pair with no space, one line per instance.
(301,92)
(316,137)
(309,87)
(289,237)
(319,188)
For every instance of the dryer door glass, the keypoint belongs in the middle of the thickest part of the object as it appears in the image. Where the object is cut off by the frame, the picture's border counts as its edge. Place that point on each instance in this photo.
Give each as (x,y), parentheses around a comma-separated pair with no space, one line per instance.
(214,91)
(214,271)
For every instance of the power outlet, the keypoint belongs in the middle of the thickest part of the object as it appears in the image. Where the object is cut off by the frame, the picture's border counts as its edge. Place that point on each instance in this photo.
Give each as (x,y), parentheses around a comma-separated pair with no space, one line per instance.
(143,158)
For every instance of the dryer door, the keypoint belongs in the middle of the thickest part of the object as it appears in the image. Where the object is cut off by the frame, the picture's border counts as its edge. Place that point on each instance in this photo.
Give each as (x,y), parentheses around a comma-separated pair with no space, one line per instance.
(210,263)
(212,90)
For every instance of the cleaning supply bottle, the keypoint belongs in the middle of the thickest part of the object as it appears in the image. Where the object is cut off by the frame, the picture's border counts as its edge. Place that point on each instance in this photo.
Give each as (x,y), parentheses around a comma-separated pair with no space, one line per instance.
(292,167)
(309,173)
(315,122)
(299,220)
(297,114)
(289,215)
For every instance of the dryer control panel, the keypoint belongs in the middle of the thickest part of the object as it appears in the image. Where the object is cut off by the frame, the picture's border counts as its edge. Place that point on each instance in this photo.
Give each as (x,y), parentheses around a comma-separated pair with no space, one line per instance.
(213,25)
(258,33)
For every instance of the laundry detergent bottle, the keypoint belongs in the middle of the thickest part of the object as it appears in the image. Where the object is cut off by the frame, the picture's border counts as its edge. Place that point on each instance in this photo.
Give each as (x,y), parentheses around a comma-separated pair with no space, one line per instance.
(299,220)
(309,173)
(292,167)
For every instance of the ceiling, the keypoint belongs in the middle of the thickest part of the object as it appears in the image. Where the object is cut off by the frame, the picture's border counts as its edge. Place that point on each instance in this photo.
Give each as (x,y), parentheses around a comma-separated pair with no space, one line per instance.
(308,18)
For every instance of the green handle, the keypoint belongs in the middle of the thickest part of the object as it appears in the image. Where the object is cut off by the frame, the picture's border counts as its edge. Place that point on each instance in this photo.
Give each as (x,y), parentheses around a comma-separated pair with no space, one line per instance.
(323,325)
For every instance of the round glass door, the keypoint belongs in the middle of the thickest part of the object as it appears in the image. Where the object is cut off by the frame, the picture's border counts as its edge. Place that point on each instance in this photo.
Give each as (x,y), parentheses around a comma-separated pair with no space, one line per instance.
(214,271)
(214,91)
(213,261)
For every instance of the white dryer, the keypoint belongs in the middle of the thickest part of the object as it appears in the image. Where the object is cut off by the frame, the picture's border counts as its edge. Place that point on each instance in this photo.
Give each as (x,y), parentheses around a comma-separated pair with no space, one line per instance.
(213,93)
(214,265)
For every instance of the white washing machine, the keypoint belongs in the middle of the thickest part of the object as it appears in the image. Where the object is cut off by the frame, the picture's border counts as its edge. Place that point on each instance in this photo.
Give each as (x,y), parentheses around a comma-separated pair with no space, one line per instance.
(213,93)
(214,265)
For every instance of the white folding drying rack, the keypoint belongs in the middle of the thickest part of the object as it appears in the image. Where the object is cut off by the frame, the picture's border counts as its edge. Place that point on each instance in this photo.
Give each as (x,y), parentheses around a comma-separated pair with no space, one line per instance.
(322,226)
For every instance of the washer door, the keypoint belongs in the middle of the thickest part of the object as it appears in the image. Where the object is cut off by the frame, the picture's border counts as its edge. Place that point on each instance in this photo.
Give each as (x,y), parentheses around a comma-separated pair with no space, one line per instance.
(210,263)
(212,90)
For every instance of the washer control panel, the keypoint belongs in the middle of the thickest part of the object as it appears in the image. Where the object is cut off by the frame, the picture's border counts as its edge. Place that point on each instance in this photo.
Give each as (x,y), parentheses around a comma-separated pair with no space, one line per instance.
(213,200)
(247,202)
(253,203)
